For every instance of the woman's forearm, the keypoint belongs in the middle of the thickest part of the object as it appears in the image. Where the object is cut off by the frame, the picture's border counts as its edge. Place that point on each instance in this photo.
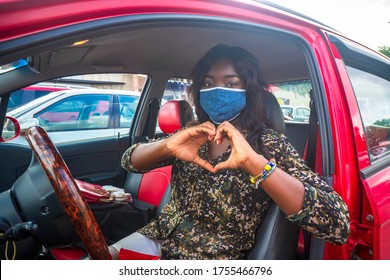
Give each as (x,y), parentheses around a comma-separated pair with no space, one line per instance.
(284,189)
(147,155)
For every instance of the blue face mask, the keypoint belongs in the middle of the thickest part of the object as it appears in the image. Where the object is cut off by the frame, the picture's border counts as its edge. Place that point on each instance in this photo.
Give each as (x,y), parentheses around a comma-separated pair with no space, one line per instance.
(222,104)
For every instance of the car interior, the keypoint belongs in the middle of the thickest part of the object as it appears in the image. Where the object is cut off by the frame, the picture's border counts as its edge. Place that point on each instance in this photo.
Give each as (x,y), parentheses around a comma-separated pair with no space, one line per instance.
(161,47)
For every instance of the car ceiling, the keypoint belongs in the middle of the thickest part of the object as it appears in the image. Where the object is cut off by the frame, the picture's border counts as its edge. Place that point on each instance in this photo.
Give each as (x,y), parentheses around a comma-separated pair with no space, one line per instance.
(172,47)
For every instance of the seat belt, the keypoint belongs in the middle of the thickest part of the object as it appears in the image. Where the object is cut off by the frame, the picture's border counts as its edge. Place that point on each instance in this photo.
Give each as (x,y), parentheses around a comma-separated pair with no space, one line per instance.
(312,135)
(151,122)
(311,160)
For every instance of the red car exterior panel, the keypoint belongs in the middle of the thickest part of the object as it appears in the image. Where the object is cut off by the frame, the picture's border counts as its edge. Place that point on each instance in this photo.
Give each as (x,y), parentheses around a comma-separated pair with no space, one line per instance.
(346,171)
(353,113)
(369,198)
(378,192)
(46,15)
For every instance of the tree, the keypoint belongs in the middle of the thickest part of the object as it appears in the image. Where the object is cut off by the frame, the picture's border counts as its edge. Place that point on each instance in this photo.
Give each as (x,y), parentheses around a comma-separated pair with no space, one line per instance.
(383,122)
(301,88)
(385,50)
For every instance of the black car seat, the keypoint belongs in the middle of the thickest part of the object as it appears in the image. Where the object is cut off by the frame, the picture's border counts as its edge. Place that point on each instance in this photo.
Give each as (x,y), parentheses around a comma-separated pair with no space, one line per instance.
(276,238)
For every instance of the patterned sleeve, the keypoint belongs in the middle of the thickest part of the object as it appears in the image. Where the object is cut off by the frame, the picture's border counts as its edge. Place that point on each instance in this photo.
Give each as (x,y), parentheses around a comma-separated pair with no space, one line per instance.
(126,157)
(126,160)
(324,213)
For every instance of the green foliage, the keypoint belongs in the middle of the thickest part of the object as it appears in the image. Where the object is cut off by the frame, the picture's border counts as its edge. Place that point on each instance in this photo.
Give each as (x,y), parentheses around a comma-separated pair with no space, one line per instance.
(300,88)
(383,122)
(385,50)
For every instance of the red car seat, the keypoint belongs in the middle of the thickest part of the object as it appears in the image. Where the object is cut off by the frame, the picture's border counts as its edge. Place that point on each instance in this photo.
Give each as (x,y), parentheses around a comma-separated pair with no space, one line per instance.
(154,187)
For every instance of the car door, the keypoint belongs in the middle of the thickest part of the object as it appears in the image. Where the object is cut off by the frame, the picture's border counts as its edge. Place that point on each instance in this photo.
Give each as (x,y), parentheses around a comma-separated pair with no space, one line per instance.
(367,76)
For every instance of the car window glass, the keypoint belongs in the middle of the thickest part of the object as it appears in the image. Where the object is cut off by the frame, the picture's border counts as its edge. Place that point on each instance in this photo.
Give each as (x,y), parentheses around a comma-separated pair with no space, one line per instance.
(287,111)
(75,113)
(16,99)
(23,109)
(176,89)
(97,116)
(369,76)
(23,96)
(127,107)
(373,98)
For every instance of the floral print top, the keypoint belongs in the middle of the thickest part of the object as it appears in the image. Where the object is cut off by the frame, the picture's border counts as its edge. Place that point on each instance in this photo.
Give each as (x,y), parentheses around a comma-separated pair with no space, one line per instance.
(215,216)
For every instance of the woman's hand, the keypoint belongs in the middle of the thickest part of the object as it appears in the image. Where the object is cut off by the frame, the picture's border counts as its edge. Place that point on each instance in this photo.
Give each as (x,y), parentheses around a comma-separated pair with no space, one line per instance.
(242,154)
(185,144)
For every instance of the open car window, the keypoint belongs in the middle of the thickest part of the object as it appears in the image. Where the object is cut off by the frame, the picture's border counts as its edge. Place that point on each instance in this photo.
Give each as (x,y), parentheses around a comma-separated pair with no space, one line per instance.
(93,105)
(294,99)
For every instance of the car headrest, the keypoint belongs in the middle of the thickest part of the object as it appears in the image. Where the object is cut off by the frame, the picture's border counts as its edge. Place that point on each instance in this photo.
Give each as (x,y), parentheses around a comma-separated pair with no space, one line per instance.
(274,115)
(174,114)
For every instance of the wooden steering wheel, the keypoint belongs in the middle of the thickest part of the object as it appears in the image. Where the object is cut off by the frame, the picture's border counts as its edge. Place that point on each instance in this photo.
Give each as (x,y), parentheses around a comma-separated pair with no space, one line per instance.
(68,193)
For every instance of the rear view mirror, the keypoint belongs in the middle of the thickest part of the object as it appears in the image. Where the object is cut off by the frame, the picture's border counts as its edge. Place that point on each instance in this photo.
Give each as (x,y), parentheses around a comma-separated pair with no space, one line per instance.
(11,129)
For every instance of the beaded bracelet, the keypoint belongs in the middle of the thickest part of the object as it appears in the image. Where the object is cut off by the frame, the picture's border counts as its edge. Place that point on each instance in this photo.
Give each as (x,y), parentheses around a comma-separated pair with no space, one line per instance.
(268,169)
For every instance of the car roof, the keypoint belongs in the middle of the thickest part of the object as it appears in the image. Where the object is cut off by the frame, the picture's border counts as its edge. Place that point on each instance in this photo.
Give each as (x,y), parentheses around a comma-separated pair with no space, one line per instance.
(52,14)
(54,86)
(44,87)
(158,40)
(99,91)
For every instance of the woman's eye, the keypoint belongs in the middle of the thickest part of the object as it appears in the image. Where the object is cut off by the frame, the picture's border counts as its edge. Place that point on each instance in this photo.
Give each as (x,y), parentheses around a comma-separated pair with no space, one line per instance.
(234,84)
(208,84)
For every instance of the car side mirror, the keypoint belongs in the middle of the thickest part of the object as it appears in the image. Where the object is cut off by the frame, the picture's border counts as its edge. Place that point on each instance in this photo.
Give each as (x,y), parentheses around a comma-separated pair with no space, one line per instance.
(27,123)
(11,129)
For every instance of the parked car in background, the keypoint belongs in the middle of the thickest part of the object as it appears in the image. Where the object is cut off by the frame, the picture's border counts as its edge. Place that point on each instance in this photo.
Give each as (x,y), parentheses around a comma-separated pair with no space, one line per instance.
(22,96)
(295,113)
(79,114)
(163,40)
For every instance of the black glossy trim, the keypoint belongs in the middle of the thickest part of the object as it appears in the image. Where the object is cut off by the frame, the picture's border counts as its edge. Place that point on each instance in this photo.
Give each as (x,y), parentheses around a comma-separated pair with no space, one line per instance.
(360,58)
(375,167)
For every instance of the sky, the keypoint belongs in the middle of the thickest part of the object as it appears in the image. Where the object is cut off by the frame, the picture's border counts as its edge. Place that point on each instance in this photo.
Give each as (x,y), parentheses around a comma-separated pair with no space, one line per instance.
(365,21)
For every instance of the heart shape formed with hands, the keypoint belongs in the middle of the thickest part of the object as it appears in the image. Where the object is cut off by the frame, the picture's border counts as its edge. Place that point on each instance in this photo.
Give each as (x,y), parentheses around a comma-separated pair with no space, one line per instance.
(185,145)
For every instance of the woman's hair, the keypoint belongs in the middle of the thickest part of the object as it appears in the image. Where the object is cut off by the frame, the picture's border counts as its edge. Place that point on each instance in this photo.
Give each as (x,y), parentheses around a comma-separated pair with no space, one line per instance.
(246,65)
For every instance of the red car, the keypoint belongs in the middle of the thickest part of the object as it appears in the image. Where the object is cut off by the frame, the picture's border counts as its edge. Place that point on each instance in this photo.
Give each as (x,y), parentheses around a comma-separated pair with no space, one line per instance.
(346,140)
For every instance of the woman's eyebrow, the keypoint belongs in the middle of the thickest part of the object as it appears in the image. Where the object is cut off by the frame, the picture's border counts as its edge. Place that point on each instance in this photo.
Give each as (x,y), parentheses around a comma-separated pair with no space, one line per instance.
(225,76)
(232,76)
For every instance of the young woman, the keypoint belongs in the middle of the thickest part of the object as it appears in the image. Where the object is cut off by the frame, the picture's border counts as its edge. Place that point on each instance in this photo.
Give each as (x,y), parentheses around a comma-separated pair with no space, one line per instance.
(226,169)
